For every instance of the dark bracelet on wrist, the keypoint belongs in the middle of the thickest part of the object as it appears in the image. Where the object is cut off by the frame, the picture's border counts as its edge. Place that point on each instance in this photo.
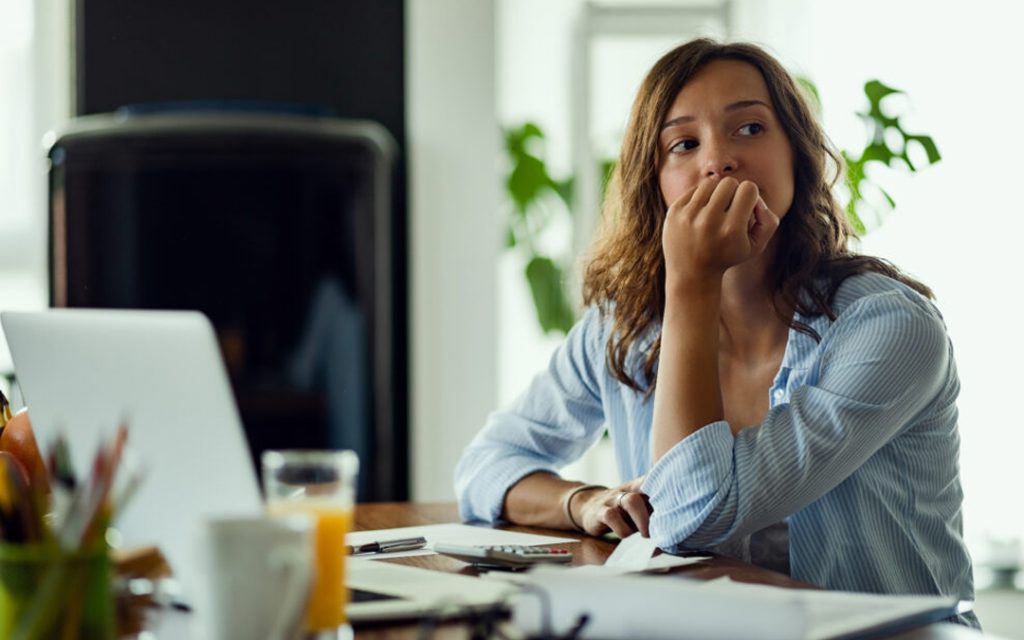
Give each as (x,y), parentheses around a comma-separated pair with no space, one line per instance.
(568,504)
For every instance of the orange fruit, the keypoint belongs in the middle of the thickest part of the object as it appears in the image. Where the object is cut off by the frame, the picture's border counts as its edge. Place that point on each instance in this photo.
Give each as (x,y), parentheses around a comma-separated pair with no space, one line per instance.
(19,440)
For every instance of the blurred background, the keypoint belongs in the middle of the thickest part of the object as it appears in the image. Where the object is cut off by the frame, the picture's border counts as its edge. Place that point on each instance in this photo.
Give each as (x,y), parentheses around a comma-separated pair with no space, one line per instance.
(449,240)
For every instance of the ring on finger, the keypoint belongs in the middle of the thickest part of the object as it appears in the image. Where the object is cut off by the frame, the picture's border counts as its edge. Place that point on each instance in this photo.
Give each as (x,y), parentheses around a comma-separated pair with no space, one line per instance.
(618,502)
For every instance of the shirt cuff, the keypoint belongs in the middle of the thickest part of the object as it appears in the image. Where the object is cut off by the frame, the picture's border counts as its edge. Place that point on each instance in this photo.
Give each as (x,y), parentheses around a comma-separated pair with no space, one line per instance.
(686,485)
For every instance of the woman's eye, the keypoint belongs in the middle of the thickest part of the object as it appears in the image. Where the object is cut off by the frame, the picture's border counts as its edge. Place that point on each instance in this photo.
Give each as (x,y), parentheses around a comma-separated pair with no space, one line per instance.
(751,129)
(684,145)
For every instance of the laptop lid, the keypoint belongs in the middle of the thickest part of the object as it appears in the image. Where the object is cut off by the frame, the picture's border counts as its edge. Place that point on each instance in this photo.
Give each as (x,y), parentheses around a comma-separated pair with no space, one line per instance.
(83,371)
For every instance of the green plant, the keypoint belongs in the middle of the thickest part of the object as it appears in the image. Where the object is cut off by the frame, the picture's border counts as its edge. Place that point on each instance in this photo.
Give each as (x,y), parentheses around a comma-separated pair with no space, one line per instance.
(878,151)
(537,198)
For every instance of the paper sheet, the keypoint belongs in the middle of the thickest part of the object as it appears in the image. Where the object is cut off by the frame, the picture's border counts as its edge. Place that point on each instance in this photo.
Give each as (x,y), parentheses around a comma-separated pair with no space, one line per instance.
(632,606)
(835,613)
(449,533)
(632,553)
(635,554)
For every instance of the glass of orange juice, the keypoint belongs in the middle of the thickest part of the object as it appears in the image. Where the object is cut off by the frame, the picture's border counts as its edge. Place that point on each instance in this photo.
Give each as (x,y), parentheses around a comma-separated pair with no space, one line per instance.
(322,484)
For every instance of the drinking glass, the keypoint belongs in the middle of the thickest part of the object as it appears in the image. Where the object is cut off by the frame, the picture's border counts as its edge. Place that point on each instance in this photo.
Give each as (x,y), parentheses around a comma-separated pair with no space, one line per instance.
(322,484)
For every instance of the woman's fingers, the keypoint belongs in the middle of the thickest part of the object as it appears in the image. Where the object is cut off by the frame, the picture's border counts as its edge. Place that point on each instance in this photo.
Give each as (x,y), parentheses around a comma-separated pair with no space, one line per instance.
(633,508)
(715,226)
(615,518)
(623,510)
(636,511)
(764,225)
(685,199)
(741,209)
(720,201)
(696,198)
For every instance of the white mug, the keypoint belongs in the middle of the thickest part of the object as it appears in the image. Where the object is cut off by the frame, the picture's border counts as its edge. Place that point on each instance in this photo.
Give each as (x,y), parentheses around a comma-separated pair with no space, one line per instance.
(259,573)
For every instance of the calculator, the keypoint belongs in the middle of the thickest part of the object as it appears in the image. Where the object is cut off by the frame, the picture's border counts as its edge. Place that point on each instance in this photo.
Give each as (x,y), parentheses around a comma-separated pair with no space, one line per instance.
(509,556)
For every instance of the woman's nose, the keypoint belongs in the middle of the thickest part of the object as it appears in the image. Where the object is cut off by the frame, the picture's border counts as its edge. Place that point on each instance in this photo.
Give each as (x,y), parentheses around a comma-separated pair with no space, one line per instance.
(719,161)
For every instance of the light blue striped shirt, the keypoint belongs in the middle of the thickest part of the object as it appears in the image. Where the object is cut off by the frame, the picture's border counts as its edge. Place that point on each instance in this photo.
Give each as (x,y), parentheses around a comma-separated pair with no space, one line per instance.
(858,454)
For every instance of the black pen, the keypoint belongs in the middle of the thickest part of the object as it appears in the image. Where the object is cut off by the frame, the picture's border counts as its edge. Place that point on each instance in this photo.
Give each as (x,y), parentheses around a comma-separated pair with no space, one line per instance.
(388,546)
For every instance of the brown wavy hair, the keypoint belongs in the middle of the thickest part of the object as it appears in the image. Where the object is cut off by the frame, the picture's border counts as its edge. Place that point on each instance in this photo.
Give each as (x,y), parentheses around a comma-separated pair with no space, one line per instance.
(625,274)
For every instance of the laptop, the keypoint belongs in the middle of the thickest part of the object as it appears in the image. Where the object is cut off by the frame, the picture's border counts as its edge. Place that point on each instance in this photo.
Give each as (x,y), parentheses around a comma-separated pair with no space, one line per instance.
(81,371)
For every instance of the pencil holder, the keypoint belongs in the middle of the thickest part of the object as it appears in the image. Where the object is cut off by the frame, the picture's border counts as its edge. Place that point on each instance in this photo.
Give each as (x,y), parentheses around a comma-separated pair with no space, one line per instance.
(47,592)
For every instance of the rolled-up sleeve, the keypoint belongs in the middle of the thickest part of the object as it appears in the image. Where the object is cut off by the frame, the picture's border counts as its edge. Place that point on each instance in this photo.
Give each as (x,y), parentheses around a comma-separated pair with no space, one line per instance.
(882,364)
(550,425)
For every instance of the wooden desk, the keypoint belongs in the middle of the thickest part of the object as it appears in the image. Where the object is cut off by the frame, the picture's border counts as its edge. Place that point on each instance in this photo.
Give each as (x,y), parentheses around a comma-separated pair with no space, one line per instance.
(588,551)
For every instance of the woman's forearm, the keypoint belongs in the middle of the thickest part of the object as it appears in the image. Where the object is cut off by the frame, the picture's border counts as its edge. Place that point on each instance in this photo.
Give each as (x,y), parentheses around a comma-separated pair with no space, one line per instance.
(538,500)
(688,394)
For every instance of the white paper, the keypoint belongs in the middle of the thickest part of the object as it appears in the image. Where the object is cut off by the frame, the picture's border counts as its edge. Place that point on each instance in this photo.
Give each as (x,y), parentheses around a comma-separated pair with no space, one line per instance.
(448,533)
(635,554)
(632,553)
(832,613)
(633,607)
(667,561)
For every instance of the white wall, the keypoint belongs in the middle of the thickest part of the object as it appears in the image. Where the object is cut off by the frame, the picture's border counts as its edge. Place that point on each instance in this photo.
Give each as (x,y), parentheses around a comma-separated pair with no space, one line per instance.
(453,199)
(532,49)
(34,62)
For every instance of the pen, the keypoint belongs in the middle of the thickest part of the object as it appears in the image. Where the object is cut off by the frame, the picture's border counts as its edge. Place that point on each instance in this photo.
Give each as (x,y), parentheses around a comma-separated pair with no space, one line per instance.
(388,546)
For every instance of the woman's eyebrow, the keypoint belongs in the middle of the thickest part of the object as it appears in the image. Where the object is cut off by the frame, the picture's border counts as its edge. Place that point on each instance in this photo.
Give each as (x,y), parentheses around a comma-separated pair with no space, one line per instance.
(733,106)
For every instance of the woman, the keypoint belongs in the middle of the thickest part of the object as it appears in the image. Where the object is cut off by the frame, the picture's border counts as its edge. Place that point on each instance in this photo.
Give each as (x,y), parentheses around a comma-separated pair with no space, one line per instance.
(770,394)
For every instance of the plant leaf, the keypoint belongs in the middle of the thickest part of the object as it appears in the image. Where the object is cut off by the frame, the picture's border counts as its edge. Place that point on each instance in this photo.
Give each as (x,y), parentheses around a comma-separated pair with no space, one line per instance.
(516,138)
(851,214)
(876,152)
(875,91)
(528,178)
(553,310)
(564,189)
(530,130)
(888,198)
(607,169)
(928,144)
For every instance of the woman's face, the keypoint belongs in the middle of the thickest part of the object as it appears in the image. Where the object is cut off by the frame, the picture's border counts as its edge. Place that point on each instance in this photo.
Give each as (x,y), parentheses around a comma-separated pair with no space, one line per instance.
(722,123)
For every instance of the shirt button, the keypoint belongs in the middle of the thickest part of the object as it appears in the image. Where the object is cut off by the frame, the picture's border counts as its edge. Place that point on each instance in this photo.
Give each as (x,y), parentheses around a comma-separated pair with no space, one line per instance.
(778,394)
